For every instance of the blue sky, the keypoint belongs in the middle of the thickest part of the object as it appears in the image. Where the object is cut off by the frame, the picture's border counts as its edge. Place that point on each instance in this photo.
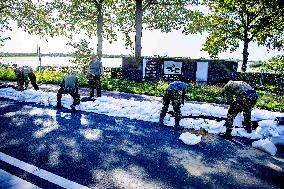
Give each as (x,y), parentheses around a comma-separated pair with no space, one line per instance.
(153,43)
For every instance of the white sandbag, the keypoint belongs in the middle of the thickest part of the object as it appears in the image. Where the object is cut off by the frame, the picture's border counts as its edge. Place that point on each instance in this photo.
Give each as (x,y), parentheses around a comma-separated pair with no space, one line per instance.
(280,130)
(261,130)
(190,139)
(241,132)
(262,115)
(278,140)
(265,145)
(238,121)
(267,123)
(255,136)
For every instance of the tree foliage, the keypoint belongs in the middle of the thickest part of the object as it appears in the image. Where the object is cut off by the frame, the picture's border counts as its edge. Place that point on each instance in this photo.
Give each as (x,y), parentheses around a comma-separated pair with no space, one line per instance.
(82,16)
(230,22)
(31,16)
(163,15)
(82,54)
(87,19)
(275,64)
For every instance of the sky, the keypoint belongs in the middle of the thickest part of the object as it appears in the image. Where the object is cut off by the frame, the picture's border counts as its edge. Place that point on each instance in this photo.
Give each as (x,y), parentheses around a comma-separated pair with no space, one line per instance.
(174,44)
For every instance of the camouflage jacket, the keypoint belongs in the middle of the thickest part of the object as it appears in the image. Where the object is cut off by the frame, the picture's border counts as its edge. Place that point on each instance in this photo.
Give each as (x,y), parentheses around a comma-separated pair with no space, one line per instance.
(95,68)
(23,72)
(234,89)
(70,83)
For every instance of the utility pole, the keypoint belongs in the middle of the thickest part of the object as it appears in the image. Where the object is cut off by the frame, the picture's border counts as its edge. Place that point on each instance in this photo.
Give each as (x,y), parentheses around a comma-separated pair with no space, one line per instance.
(39,57)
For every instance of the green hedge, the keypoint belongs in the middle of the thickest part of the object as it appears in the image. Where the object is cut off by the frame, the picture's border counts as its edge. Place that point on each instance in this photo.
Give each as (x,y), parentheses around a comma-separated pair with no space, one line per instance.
(269,80)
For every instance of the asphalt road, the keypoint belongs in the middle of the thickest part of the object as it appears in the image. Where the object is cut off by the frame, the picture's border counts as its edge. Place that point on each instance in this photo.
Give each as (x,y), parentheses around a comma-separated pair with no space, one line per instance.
(99,151)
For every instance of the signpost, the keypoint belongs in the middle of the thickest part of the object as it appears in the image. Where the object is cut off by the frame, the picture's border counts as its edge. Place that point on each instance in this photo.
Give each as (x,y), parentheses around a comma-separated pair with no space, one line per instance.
(39,58)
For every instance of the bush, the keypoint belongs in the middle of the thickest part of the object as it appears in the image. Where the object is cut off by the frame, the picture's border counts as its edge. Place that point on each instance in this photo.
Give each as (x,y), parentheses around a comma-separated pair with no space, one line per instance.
(270,101)
(49,77)
(7,74)
(268,79)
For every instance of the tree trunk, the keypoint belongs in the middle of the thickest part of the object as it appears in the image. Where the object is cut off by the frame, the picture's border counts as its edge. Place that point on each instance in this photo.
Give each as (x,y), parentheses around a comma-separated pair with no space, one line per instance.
(99,32)
(245,51)
(138,28)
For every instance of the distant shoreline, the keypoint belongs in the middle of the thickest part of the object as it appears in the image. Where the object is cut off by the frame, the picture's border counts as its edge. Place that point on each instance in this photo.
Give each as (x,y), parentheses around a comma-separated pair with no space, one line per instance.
(33,61)
(30,55)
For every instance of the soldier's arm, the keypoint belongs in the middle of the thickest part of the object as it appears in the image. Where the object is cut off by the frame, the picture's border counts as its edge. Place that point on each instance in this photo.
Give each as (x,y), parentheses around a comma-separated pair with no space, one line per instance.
(62,83)
(228,96)
(77,83)
(183,97)
(88,70)
(102,68)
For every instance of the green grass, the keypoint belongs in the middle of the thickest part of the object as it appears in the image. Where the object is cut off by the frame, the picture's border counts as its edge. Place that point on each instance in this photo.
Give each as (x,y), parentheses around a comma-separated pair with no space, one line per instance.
(270,101)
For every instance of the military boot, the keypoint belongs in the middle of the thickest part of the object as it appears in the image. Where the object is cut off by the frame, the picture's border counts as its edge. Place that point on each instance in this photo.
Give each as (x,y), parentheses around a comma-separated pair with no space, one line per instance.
(248,128)
(92,93)
(73,107)
(227,135)
(59,105)
(161,122)
(178,127)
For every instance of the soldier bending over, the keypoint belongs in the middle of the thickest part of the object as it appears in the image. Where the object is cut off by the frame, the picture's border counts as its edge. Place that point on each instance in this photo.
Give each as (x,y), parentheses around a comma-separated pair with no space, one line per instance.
(23,75)
(69,85)
(175,93)
(242,98)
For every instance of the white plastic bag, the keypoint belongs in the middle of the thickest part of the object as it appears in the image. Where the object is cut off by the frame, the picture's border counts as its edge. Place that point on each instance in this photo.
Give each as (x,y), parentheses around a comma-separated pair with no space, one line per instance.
(265,145)
(190,139)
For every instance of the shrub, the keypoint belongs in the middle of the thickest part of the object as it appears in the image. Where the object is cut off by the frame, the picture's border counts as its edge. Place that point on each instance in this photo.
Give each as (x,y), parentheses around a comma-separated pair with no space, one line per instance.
(49,77)
(7,74)
(270,101)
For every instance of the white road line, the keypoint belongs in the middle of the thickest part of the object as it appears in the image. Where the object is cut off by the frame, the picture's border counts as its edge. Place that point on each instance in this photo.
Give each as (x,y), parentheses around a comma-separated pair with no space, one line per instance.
(50,177)
(8,180)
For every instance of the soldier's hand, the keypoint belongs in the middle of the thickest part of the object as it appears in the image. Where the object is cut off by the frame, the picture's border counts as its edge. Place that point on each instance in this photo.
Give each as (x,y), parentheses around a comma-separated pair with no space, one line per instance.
(19,88)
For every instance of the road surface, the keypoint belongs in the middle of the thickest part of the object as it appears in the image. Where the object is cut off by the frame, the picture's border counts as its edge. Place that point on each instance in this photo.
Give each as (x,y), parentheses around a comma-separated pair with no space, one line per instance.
(98,151)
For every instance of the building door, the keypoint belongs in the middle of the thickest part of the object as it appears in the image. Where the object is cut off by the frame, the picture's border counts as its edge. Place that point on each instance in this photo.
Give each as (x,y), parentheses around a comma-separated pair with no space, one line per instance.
(202,72)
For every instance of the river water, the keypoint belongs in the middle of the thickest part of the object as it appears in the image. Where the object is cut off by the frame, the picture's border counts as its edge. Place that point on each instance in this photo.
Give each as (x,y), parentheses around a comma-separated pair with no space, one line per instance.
(65,61)
(53,61)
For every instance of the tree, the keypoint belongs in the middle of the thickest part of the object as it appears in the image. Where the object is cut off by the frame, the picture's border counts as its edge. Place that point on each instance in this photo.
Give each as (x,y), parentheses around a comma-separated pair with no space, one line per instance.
(138,29)
(275,64)
(164,15)
(230,22)
(33,17)
(87,19)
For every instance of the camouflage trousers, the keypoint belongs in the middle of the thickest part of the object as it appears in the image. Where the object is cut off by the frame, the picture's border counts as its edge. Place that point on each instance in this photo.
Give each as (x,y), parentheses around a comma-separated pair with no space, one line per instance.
(171,96)
(95,83)
(243,103)
(24,80)
(74,93)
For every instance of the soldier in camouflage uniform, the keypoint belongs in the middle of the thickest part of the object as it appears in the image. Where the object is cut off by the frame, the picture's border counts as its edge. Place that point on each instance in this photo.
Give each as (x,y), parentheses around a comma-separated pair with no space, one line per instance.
(175,93)
(94,74)
(23,75)
(69,85)
(242,98)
